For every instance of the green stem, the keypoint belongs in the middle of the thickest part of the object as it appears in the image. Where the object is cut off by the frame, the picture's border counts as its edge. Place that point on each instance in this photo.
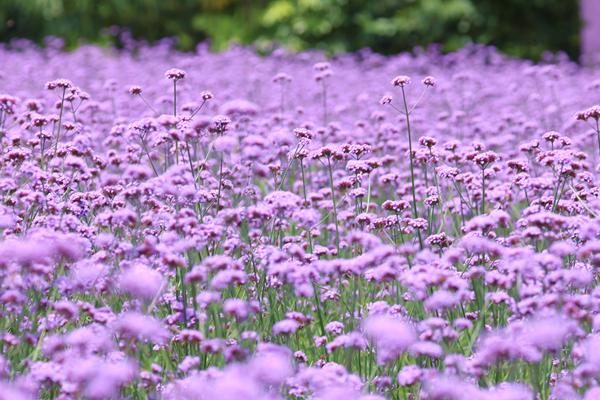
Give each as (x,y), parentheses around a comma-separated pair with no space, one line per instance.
(598,134)
(337,229)
(183,294)
(175,114)
(189,154)
(289,166)
(483,190)
(310,245)
(149,158)
(412,170)
(319,314)
(148,105)
(62,104)
(220,183)
(174,97)
(303,180)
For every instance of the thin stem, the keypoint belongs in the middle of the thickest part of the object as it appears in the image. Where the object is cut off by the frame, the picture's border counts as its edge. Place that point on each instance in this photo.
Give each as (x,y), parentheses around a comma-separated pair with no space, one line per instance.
(149,158)
(189,156)
(175,114)
(483,190)
(418,100)
(598,134)
(166,150)
(220,183)
(62,104)
(193,114)
(310,245)
(73,111)
(337,229)
(174,97)
(148,104)
(183,294)
(287,169)
(42,147)
(319,313)
(412,170)
(303,180)
(324,103)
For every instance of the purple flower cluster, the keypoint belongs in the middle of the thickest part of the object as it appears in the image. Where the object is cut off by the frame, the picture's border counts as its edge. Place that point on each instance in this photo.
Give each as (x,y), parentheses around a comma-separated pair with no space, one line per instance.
(365,227)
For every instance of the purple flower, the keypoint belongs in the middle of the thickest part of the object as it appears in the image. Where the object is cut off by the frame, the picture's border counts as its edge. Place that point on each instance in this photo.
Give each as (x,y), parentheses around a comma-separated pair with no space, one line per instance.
(410,375)
(390,335)
(142,282)
(236,308)
(285,327)
(429,81)
(135,90)
(387,99)
(401,80)
(135,326)
(175,74)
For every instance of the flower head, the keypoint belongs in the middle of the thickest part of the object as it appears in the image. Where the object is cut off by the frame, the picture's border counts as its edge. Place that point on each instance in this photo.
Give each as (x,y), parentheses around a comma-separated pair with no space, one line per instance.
(387,99)
(401,80)
(135,90)
(429,81)
(175,74)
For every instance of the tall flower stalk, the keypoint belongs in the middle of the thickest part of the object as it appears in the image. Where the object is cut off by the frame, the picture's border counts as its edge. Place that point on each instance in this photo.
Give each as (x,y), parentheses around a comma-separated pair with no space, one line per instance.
(206,96)
(483,161)
(137,91)
(402,81)
(219,127)
(411,156)
(62,107)
(63,84)
(592,115)
(333,200)
(323,72)
(283,80)
(175,75)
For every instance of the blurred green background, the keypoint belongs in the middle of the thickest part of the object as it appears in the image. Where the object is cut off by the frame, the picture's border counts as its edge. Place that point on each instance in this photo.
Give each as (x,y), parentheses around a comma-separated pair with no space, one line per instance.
(523,28)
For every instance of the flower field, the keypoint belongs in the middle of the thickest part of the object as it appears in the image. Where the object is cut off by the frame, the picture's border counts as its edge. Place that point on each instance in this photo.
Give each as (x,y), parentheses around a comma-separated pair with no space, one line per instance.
(235,226)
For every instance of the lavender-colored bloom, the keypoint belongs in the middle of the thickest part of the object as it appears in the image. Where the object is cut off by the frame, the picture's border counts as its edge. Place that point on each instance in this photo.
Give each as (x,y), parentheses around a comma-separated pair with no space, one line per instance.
(450,388)
(12,392)
(401,80)
(228,277)
(410,375)
(429,81)
(142,282)
(135,326)
(390,335)
(334,327)
(236,308)
(175,74)
(285,327)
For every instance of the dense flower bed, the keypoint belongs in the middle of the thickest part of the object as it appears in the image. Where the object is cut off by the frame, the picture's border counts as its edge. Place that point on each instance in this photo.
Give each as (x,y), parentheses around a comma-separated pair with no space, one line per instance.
(230,226)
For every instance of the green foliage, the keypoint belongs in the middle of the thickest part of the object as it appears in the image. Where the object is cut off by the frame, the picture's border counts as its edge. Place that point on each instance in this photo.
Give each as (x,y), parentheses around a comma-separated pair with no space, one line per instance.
(523,28)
